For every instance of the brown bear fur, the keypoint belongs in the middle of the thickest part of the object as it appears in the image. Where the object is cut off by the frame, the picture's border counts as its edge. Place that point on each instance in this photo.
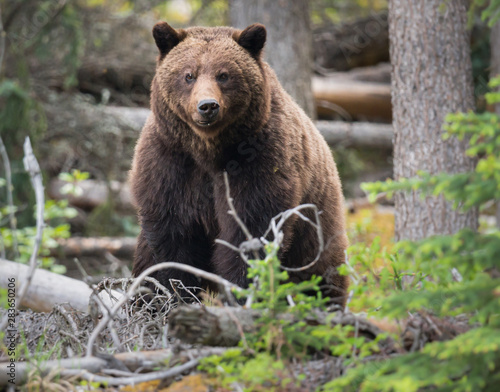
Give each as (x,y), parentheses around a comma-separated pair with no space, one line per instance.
(274,156)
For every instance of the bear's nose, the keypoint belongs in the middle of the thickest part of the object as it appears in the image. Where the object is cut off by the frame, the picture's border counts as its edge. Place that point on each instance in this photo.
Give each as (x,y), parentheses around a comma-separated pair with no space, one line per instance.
(208,108)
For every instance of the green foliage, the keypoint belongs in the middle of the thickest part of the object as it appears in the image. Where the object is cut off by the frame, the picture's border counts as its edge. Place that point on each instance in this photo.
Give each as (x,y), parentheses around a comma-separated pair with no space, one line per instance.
(18,113)
(283,336)
(468,363)
(56,213)
(19,243)
(72,179)
(374,273)
(490,10)
(341,11)
(455,274)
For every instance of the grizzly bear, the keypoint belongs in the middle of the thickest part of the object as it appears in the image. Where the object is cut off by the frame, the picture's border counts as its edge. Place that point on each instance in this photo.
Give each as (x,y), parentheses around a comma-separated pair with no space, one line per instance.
(218,107)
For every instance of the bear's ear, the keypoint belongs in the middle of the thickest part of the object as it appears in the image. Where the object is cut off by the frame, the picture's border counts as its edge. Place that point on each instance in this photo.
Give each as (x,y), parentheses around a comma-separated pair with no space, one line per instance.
(253,38)
(166,37)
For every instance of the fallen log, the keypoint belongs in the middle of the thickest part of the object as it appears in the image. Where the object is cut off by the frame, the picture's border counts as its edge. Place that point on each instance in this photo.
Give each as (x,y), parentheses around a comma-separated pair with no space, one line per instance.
(123,247)
(359,134)
(374,135)
(356,100)
(48,289)
(380,73)
(100,139)
(94,193)
(211,326)
(224,326)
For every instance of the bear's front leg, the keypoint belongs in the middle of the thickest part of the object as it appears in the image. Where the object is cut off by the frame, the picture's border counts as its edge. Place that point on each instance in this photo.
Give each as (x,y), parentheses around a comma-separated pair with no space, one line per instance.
(257,198)
(175,207)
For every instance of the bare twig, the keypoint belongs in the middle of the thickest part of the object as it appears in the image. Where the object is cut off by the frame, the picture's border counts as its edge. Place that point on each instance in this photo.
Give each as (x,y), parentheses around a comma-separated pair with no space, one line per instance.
(59,309)
(230,246)
(457,276)
(232,211)
(228,286)
(276,227)
(349,299)
(279,220)
(33,168)
(8,179)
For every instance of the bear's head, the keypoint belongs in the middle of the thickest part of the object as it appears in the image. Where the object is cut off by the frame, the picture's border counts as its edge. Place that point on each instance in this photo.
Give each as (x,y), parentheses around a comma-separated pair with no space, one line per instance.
(212,78)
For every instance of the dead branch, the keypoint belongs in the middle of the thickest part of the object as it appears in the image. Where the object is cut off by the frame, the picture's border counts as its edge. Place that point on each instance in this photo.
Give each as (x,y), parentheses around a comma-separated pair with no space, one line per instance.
(8,179)
(149,360)
(96,246)
(33,168)
(134,379)
(132,361)
(357,134)
(108,316)
(232,211)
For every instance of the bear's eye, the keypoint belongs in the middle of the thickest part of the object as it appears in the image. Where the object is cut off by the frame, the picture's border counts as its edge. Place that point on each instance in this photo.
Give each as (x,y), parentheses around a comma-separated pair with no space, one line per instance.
(189,78)
(223,77)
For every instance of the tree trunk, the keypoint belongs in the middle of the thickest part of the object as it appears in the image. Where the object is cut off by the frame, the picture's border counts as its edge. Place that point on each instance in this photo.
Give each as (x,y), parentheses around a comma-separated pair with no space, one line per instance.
(432,76)
(289,42)
(495,71)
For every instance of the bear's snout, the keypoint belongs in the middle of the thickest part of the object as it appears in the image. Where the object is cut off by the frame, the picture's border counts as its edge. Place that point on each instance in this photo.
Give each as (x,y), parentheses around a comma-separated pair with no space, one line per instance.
(208,108)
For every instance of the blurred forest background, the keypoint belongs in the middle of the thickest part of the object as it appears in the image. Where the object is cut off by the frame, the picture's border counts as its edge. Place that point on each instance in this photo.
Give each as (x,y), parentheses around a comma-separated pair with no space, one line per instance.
(425,128)
(76,74)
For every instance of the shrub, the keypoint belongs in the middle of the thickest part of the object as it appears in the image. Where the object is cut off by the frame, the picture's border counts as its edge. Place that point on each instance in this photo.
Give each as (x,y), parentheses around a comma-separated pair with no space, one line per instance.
(452,275)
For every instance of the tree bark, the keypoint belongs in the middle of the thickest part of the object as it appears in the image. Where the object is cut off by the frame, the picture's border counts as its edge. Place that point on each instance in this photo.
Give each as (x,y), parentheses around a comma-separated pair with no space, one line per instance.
(432,76)
(495,71)
(289,42)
